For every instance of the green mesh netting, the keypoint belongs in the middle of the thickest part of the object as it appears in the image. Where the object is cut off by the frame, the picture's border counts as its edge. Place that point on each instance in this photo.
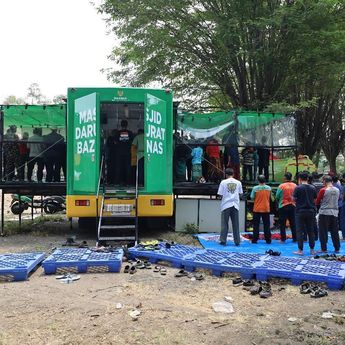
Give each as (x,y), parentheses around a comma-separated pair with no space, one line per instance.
(277,129)
(35,116)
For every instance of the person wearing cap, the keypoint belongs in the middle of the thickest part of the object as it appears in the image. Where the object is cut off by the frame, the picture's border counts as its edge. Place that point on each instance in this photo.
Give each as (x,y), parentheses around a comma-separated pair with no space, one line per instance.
(327,199)
(11,153)
(305,196)
(53,155)
(261,195)
(286,206)
(123,141)
(230,190)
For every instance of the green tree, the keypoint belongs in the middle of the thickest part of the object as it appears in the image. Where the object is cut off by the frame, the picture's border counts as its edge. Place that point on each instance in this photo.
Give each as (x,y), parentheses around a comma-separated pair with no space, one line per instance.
(34,93)
(14,100)
(235,53)
(58,99)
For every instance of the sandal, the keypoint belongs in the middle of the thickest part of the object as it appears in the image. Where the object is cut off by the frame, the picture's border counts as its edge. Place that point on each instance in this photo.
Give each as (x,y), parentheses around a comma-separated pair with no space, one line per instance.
(266,291)
(237,282)
(132,270)
(248,282)
(181,273)
(67,278)
(163,271)
(126,269)
(255,290)
(319,292)
(305,288)
(199,276)
(147,264)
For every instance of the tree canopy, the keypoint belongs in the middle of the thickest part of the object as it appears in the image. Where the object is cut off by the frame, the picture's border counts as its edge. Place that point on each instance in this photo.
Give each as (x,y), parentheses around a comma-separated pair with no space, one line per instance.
(240,53)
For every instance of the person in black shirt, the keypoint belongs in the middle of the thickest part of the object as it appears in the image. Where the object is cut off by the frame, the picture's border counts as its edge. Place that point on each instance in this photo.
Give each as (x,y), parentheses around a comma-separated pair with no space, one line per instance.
(305,195)
(264,158)
(123,139)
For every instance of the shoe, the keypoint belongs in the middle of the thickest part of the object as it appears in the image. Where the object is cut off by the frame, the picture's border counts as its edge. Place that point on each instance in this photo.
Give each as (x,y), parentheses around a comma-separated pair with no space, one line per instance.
(222,243)
(272,252)
(132,270)
(266,290)
(254,242)
(237,282)
(305,288)
(181,273)
(248,282)
(126,269)
(318,292)
(256,289)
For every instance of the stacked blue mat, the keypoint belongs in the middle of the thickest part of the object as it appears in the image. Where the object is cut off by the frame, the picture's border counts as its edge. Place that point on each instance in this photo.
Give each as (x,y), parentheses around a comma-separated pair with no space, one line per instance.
(17,267)
(248,265)
(83,260)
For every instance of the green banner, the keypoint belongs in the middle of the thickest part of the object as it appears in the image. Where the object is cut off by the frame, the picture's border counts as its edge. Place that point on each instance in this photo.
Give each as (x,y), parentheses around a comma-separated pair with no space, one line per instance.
(155,145)
(86,144)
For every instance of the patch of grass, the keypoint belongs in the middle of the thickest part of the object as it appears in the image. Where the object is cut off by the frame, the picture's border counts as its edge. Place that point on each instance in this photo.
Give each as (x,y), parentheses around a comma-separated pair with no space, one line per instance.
(190,228)
(179,237)
(39,226)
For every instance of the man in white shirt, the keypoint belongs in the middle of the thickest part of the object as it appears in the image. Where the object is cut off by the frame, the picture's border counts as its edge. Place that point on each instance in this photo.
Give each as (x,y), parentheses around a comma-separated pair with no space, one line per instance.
(230,190)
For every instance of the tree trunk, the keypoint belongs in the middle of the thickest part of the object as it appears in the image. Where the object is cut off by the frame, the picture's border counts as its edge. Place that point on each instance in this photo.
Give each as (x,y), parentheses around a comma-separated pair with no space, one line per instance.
(333,164)
(316,159)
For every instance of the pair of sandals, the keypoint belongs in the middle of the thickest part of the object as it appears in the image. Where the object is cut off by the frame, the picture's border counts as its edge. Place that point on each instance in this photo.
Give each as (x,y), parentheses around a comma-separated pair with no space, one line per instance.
(160,269)
(238,282)
(131,269)
(263,289)
(314,290)
(67,278)
(191,275)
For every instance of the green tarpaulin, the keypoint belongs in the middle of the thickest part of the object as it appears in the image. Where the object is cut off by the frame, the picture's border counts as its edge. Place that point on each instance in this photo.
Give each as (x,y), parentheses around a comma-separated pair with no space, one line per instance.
(28,116)
(242,127)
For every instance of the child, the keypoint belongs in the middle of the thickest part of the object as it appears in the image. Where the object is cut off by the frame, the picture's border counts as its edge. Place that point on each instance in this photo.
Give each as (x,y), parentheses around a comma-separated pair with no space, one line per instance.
(248,162)
(197,154)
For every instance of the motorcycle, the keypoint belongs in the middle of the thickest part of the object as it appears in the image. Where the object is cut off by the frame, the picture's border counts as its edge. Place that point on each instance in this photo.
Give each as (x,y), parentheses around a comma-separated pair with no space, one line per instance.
(50,204)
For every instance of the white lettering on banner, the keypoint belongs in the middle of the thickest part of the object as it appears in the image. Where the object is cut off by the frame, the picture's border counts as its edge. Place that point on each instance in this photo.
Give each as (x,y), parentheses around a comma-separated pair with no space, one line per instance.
(88,115)
(86,133)
(154,119)
(88,146)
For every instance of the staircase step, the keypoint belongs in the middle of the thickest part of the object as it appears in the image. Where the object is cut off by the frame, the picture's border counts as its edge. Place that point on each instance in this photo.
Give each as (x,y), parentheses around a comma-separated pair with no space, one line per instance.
(119,197)
(124,238)
(129,226)
(126,215)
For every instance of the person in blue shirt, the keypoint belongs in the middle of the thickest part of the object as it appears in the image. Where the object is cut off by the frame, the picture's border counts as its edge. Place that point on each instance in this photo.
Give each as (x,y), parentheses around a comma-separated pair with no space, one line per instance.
(197,156)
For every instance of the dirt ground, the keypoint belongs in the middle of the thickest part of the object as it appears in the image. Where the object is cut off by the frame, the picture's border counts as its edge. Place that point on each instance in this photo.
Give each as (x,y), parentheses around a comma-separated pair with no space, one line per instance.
(42,310)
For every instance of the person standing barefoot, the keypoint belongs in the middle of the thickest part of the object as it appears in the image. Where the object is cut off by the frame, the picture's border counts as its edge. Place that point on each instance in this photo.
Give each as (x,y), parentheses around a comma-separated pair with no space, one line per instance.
(304,196)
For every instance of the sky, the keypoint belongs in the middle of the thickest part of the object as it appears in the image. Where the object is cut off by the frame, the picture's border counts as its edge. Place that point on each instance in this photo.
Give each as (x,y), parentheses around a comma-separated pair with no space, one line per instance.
(55,43)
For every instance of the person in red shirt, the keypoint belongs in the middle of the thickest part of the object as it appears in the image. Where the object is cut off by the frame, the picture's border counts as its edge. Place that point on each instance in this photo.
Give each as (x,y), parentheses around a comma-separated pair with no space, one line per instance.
(287,207)
(214,170)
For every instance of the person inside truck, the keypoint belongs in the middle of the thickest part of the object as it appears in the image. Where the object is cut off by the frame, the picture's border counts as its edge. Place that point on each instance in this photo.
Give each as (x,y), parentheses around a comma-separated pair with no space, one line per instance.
(123,141)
